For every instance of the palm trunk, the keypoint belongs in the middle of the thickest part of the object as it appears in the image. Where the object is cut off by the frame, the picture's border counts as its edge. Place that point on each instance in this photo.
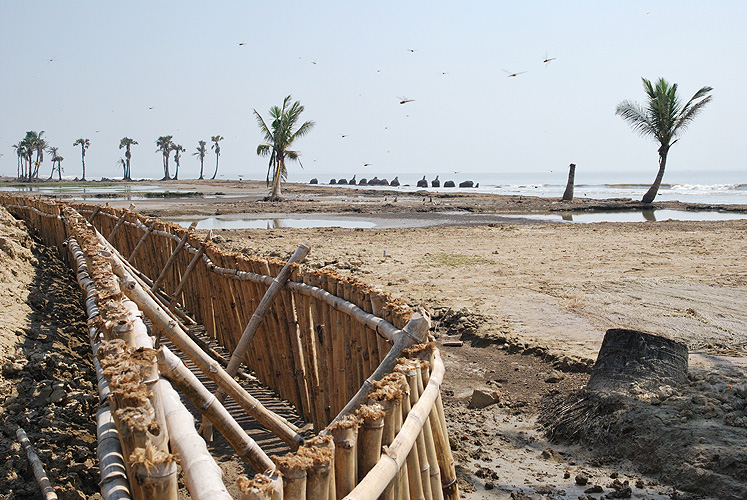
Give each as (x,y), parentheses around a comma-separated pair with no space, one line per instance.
(276,195)
(59,170)
(166,175)
(83,160)
(216,166)
(202,165)
(648,198)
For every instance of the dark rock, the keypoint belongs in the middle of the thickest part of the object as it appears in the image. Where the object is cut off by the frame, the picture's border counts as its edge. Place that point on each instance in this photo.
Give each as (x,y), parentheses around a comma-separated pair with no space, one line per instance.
(435,183)
(422,183)
(582,479)
(449,184)
(363,182)
(466,184)
(342,181)
(314,181)
(332,181)
(482,398)
(395,182)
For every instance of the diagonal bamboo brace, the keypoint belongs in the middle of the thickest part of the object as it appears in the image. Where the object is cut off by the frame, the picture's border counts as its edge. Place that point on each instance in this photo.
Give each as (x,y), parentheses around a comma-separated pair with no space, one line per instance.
(176,251)
(254,322)
(211,368)
(192,264)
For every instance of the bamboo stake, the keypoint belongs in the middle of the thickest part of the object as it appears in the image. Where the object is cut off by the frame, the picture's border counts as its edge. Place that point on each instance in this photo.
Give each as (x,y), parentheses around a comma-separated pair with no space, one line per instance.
(251,328)
(369,439)
(417,476)
(114,485)
(320,475)
(172,368)
(209,367)
(172,257)
(155,472)
(93,215)
(410,369)
(293,469)
(261,487)
(187,271)
(41,475)
(345,435)
(430,447)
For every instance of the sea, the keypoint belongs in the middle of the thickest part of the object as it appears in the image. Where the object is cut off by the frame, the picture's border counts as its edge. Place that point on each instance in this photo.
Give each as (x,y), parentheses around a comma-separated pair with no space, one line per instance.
(711,187)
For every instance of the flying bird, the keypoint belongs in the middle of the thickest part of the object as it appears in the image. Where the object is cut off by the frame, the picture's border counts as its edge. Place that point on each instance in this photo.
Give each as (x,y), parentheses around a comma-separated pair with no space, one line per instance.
(241,44)
(366,164)
(404,100)
(513,74)
(411,50)
(548,59)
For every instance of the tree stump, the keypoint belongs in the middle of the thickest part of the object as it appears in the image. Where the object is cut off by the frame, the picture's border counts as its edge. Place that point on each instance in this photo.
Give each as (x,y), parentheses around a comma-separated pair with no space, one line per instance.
(629,357)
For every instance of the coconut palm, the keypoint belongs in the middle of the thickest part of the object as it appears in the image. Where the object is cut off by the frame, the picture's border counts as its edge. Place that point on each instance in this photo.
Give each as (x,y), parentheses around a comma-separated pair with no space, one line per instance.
(200,153)
(40,145)
(164,145)
(127,143)
(84,144)
(664,117)
(56,162)
(279,137)
(178,150)
(20,150)
(216,139)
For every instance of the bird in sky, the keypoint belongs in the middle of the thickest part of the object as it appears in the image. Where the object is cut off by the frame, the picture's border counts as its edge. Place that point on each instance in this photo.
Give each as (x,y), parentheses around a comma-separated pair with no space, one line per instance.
(366,164)
(411,50)
(513,74)
(404,100)
(241,44)
(548,59)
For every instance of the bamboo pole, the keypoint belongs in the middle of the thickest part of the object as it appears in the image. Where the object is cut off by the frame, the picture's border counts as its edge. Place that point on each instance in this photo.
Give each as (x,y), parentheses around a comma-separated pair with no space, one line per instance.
(293,468)
(418,480)
(207,365)
(202,475)
(395,455)
(251,328)
(188,271)
(320,475)
(172,257)
(345,435)
(93,214)
(261,487)
(416,331)
(142,240)
(113,484)
(369,439)
(155,472)
(117,225)
(45,485)
(172,368)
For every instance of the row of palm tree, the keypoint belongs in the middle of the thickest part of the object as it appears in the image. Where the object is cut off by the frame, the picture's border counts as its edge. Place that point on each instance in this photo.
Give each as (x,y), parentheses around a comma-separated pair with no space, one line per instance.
(663,117)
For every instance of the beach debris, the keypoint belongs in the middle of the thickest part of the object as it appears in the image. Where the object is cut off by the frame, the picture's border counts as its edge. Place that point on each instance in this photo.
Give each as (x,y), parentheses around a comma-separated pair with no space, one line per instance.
(482,398)
(453,343)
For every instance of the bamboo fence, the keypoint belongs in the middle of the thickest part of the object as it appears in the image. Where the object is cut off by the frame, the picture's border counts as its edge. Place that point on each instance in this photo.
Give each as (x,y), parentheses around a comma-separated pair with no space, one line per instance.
(354,361)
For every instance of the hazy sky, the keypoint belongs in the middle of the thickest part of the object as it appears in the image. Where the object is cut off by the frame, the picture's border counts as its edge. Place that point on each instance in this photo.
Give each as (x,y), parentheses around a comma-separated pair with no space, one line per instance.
(142,69)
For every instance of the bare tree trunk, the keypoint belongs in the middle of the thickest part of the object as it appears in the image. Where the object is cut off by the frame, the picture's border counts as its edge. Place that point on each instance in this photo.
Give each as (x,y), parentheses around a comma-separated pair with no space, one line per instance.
(568,194)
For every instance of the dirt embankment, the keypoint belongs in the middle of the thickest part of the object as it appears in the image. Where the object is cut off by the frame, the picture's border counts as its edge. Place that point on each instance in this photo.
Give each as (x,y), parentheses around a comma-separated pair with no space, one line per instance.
(46,382)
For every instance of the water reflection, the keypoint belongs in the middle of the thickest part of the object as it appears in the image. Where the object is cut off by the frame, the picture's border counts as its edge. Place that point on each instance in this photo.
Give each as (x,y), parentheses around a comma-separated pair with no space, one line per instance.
(648,215)
(233,222)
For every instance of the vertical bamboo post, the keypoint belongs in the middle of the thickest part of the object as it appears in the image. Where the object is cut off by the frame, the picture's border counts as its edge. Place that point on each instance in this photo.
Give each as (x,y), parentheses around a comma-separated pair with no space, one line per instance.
(417,476)
(320,476)
(369,439)
(293,467)
(411,369)
(345,435)
(261,487)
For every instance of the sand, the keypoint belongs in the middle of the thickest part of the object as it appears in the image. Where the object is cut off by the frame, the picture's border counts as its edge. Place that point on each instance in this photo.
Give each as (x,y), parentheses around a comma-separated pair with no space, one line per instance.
(531,302)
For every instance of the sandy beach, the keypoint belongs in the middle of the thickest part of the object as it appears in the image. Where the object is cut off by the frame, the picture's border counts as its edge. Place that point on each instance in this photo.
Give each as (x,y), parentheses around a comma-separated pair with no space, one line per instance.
(531,302)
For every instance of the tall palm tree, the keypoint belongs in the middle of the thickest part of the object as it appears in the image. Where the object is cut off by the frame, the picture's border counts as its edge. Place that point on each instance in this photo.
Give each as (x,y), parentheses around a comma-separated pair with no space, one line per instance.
(664,117)
(84,144)
(216,139)
(164,145)
(20,150)
(178,150)
(40,145)
(201,152)
(279,136)
(127,143)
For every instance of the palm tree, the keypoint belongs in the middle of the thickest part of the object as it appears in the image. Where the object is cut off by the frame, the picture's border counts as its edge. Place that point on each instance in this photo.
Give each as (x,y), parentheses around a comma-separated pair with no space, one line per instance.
(39,145)
(20,150)
(56,160)
(127,143)
(201,152)
(216,139)
(84,144)
(664,118)
(279,136)
(164,145)
(178,149)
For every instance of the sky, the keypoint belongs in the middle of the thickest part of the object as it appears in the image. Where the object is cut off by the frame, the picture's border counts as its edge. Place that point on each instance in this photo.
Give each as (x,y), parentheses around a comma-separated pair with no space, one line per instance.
(194,69)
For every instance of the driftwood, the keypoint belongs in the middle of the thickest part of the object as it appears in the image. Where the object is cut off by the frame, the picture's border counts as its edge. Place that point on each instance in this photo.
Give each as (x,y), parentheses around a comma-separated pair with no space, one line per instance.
(39,473)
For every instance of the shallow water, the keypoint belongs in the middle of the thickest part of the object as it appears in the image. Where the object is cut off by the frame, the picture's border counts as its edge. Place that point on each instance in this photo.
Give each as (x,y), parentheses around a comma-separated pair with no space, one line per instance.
(229,222)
